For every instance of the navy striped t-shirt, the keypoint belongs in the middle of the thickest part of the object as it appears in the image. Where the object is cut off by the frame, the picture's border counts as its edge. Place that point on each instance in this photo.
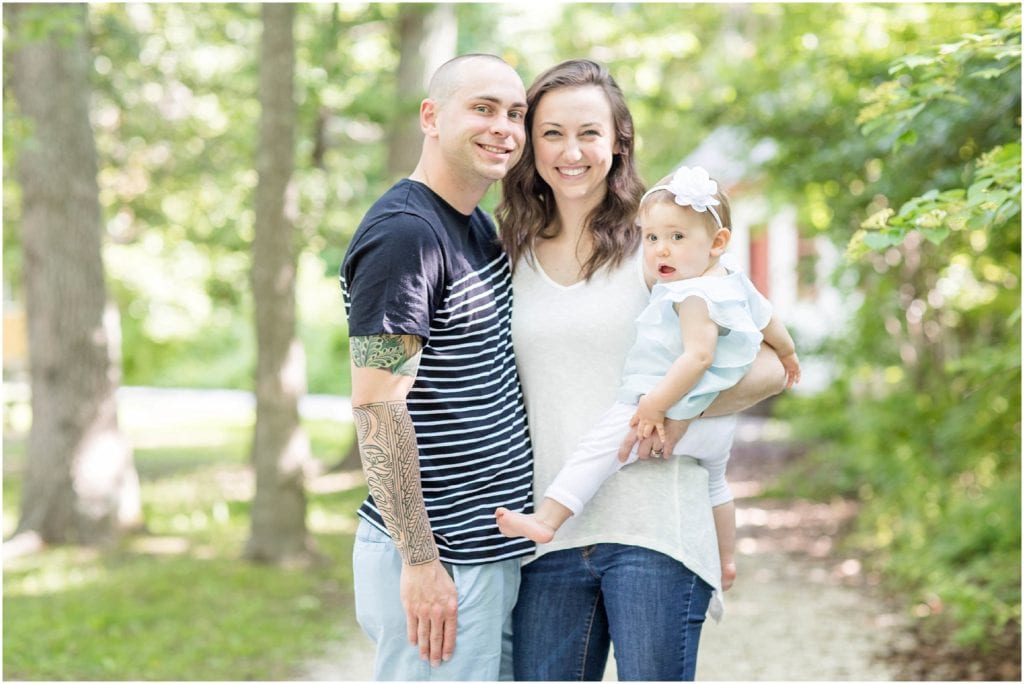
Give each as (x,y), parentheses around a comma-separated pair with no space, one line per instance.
(416,266)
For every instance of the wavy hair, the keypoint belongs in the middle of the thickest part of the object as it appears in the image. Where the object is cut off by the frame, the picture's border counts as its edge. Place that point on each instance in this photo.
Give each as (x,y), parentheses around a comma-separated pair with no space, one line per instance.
(527,208)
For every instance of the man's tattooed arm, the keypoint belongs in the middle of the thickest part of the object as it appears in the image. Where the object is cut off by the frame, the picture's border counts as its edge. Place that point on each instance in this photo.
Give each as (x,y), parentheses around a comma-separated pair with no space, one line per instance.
(399,354)
(387,444)
(387,441)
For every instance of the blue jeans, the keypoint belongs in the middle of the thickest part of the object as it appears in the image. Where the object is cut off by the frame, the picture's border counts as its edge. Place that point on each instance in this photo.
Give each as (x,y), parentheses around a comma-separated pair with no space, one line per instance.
(483,642)
(573,603)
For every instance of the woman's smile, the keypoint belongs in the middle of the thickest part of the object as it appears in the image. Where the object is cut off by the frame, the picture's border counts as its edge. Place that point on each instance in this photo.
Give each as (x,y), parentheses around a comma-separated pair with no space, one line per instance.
(574,142)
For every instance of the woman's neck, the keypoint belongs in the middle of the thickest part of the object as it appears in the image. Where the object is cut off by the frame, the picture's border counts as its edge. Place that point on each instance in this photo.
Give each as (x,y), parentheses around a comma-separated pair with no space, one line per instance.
(566,247)
(571,222)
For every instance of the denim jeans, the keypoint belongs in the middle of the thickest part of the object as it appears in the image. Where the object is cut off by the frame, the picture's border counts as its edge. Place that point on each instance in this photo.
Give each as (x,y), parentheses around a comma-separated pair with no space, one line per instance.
(572,603)
(483,642)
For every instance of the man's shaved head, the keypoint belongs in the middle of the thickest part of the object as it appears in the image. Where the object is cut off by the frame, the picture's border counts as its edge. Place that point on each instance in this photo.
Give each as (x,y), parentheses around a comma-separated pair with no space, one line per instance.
(446,79)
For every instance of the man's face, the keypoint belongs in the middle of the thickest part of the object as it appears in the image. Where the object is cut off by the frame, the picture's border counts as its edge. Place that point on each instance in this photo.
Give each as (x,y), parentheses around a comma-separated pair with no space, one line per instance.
(481,125)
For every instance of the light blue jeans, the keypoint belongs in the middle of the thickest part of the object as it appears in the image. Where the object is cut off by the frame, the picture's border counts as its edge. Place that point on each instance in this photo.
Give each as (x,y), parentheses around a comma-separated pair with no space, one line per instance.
(483,641)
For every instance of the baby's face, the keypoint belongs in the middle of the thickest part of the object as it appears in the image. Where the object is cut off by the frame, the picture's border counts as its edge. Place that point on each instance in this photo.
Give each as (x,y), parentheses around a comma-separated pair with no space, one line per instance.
(677,242)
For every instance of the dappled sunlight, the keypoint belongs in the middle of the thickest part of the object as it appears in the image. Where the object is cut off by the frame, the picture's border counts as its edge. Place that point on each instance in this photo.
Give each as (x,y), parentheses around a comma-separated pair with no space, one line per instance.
(334,519)
(52,571)
(159,546)
(795,526)
(326,522)
(195,436)
(335,482)
(762,430)
(144,408)
(10,522)
(210,483)
(743,489)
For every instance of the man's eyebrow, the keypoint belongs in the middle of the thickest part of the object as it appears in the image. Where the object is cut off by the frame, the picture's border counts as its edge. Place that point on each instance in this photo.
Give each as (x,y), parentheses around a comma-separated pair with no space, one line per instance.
(497,100)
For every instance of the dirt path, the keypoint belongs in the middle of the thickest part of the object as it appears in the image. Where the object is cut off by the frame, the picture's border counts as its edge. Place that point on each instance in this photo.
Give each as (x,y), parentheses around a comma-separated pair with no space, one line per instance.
(797,611)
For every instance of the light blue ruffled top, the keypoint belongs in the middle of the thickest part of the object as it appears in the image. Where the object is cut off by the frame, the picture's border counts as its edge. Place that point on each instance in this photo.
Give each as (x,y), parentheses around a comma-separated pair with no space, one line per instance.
(740,311)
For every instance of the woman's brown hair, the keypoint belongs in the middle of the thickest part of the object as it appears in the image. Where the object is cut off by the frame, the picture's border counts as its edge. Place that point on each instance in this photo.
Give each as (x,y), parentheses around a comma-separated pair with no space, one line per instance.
(527,206)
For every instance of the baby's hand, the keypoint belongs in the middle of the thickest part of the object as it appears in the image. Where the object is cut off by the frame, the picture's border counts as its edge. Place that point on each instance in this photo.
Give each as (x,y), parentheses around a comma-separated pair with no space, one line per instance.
(647,420)
(791,364)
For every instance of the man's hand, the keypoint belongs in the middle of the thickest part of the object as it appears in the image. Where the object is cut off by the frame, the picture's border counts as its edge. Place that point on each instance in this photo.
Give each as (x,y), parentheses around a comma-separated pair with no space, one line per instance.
(674,431)
(431,605)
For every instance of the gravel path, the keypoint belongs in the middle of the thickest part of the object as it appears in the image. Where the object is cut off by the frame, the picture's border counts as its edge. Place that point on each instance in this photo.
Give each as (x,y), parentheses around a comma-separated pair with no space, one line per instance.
(797,612)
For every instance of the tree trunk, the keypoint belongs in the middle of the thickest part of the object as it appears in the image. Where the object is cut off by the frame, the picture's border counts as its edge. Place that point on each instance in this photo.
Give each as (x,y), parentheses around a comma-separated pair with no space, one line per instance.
(80,482)
(426,35)
(280,451)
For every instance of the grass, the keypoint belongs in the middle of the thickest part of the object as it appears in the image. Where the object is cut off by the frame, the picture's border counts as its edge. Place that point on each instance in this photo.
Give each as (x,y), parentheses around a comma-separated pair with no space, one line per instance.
(179,603)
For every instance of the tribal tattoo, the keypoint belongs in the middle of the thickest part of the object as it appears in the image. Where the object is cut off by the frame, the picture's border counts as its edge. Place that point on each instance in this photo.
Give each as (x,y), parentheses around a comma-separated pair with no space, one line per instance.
(399,354)
(387,444)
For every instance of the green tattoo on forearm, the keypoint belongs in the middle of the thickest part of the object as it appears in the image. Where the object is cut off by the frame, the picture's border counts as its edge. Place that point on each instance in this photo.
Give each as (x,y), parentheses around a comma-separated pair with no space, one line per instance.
(399,354)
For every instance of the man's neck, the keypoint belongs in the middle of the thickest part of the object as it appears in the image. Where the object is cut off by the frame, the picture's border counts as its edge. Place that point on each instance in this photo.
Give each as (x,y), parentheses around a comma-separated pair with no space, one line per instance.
(464,199)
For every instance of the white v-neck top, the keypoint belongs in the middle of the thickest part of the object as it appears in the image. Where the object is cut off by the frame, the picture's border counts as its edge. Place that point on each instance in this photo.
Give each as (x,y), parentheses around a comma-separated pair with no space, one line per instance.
(570,345)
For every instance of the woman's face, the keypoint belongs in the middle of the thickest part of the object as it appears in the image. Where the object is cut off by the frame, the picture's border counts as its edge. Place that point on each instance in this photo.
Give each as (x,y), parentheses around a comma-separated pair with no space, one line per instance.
(573,143)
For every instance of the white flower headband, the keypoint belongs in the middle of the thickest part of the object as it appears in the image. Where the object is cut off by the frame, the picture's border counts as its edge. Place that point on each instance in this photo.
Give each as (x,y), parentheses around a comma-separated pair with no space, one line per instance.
(692,188)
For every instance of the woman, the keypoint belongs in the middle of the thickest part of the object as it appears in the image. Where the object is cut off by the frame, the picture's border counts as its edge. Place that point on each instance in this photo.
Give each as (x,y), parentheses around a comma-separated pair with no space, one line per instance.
(639,566)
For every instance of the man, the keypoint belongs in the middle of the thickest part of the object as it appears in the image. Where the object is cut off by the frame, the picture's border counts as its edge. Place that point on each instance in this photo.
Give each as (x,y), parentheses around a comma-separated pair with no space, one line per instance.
(436,400)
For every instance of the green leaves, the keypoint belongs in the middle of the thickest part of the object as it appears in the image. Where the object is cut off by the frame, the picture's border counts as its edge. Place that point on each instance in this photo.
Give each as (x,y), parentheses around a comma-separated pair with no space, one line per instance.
(921,80)
(893,111)
(922,419)
(990,202)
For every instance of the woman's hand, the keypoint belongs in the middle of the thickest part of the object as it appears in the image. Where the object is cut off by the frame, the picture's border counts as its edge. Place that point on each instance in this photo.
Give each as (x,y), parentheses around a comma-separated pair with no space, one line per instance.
(654,446)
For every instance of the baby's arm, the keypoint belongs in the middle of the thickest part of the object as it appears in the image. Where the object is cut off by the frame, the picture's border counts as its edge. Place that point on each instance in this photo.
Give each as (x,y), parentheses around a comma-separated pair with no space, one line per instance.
(700,335)
(778,337)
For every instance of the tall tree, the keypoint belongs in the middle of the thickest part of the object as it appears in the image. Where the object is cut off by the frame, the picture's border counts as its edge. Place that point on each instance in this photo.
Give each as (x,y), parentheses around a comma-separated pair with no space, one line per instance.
(80,482)
(427,39)
(280,452)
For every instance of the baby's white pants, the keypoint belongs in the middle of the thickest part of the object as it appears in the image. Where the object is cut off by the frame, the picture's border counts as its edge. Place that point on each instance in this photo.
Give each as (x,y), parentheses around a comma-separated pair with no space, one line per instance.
(595,458)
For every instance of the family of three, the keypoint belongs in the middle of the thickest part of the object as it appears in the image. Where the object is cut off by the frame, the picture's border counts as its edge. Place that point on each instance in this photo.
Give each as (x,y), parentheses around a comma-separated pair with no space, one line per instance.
(630,338)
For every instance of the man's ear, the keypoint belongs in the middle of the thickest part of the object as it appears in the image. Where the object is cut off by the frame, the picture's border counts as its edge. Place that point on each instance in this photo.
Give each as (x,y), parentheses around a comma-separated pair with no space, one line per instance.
(428,118)
(720,241)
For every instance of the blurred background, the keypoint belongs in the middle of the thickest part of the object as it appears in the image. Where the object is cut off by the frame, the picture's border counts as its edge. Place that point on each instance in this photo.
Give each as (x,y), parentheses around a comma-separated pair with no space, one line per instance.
(180,182)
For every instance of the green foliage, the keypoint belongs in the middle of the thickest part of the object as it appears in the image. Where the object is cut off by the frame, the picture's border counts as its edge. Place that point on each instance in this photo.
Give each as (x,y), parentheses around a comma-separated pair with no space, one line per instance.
(922,422)
(938,474)
(971,70)
(178,603)
(36,23)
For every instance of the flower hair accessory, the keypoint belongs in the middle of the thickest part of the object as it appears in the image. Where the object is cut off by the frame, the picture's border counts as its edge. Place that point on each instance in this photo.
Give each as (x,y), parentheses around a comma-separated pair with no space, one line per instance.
(692,188)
